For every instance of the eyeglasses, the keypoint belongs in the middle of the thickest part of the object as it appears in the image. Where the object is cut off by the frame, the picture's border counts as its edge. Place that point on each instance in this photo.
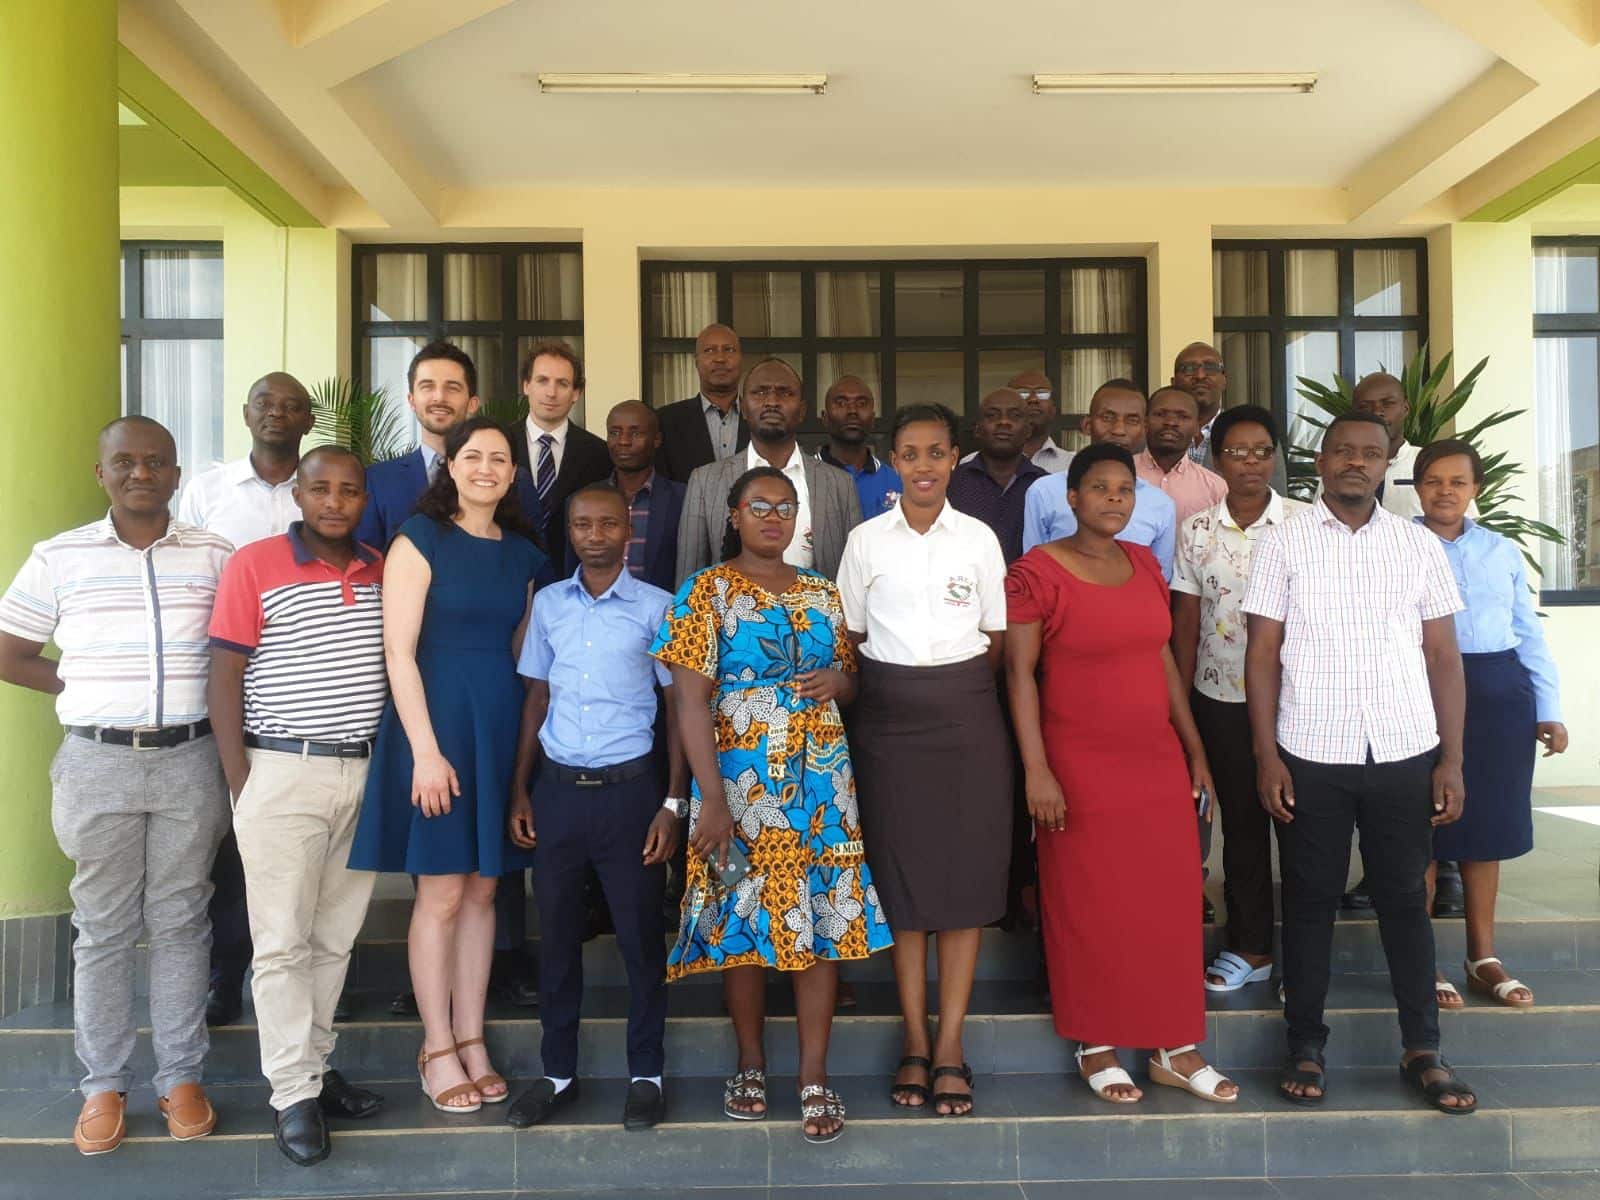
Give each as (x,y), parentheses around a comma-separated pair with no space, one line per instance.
(1042,393)
(762,510)
(1210,366)
(1241,453)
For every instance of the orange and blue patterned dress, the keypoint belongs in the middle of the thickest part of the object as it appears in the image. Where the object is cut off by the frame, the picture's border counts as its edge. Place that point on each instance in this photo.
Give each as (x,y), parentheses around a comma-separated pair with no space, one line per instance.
(786,773)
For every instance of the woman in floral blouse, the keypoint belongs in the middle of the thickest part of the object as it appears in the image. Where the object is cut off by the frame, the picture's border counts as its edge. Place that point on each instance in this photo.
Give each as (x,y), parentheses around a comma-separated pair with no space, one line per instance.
(760,661)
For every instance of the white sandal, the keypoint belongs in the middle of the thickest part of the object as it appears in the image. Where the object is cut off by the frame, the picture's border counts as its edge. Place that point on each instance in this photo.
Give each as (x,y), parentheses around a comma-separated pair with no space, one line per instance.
(1236,972)
(1500,991)
(1202,1083)
(1103,1079)
(1443,987)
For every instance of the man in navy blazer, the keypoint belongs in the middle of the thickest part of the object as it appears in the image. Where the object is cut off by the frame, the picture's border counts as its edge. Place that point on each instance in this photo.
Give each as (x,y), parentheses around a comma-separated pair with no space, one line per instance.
(552,384)
(655,503)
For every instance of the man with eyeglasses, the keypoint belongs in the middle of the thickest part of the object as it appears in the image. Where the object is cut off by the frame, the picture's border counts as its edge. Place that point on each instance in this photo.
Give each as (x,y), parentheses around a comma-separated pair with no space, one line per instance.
(1039,397)
(706,427)
(1200,371)
(773,406)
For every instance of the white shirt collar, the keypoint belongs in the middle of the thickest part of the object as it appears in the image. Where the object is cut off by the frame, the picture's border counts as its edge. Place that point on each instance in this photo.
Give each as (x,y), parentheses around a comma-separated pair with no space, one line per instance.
(753,458)
(1273,515)
(559,433)
(945,520)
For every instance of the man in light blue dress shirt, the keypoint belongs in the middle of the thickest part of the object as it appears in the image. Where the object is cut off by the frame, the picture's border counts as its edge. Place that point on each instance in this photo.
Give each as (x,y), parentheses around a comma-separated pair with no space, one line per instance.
(588,725)
(1116,414)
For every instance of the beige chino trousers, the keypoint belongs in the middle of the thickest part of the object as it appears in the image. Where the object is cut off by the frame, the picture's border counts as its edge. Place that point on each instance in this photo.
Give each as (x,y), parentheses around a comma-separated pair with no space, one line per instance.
(294,822)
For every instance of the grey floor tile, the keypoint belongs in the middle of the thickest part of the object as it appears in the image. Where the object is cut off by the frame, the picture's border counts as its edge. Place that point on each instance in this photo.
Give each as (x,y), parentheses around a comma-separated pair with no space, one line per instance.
(1410,1187)
(1154,1189)
(1410,1143)
(1556,1139)
(1576,1185)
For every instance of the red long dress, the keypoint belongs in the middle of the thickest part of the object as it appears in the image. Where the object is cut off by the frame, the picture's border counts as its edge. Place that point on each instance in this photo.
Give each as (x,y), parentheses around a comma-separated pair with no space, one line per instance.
(1119,886)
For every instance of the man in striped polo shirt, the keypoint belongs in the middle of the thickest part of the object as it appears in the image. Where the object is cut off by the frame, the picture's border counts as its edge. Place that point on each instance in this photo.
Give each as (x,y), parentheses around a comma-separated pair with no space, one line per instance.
(138,799)
(297,688)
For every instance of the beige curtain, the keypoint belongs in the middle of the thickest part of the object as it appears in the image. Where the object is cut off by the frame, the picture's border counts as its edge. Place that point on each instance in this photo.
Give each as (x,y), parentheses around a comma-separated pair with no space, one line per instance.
(471,287)
(550,287)
(682,303)
(1100,300)
(1239,283)
(847,303)
(396,287)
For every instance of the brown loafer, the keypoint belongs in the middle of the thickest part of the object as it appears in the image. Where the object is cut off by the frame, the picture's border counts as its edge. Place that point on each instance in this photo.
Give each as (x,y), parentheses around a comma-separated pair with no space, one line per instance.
(189,1114)
(101,1124)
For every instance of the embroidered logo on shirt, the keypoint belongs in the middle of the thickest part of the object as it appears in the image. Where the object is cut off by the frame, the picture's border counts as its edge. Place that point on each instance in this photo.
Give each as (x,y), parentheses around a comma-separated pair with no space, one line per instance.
(959,591)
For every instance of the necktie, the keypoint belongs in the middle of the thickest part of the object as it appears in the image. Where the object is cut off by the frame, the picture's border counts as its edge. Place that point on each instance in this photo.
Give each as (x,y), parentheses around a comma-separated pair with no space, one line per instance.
(547,465)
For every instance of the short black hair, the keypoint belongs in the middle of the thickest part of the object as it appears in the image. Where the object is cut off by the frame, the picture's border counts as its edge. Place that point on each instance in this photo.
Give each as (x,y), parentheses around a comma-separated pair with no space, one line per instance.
(330,450)
(450,352)
(602,487)
(1119,385)
(1244,414)
(1098,453)
(936,414)
(1448,448)
(1353,417)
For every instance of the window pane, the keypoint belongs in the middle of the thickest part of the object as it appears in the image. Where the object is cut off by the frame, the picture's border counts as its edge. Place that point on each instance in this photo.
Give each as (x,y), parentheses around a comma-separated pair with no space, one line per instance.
(672,377)
(1010,301)
(394,287)
(1248,358)
(927,303)
(182,283)
(1099,300)
(1314,355)
(1386,283)
(682,303)
(1084,370)
(550,286)
(1567,406)
(929,377)
(996,368)
(1239,283)
(383,367)
(848,304)
(487,354)
(180,385)
(1311,283)
(471,287)
(766,303)
(525,344)
(1384,350)
(864,365)
(1566,279)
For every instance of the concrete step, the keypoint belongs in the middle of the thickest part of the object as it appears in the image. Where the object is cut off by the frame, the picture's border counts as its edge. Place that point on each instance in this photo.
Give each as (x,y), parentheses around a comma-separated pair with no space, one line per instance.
(1029,1127)
(1010,1030)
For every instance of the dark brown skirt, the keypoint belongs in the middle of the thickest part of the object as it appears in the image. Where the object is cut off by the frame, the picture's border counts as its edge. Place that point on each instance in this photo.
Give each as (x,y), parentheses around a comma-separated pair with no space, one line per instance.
(933,777)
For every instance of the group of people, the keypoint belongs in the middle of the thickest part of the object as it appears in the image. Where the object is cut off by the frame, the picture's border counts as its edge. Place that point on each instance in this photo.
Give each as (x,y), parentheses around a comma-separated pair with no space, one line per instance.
(861,681)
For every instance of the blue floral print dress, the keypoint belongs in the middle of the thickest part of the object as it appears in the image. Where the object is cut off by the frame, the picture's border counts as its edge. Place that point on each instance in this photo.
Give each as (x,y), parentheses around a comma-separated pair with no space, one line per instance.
(786,773)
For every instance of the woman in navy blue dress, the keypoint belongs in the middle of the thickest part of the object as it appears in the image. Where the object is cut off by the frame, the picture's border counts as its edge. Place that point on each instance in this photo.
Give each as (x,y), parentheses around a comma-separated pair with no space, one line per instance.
(456,587)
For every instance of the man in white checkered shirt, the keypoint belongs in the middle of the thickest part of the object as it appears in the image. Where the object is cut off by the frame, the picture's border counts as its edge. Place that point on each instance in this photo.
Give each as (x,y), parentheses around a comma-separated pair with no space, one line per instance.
(1356,699)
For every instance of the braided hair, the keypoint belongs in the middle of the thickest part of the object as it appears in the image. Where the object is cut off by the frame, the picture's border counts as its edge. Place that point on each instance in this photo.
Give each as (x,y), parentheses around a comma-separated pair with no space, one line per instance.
(731,544)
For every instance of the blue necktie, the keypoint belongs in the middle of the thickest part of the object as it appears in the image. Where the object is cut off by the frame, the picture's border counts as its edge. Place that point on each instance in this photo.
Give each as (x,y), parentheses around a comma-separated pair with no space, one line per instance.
(547,465)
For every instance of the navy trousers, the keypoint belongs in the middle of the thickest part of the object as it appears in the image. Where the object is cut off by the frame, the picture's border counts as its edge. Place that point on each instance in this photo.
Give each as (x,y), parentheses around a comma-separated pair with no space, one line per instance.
(604,827)
(231,948)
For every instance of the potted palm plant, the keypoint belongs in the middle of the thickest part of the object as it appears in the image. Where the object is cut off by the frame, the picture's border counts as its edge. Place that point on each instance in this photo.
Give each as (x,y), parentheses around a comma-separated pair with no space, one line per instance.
(362,421)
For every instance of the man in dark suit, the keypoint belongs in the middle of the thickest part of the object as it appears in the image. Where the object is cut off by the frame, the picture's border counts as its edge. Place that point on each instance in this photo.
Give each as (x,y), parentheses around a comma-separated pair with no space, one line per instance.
(442,389)
(655,503)
(708,426)
(829,506)
(559,455)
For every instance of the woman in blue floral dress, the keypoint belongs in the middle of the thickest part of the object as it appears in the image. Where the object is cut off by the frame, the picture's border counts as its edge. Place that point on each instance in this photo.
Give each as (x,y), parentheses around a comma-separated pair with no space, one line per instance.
(760,663)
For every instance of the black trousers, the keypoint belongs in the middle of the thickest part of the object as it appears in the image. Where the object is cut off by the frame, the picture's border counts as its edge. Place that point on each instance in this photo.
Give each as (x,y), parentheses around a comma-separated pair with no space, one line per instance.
(511,913)
(231,948)
(1246,827)
(1391,804)
(603,827)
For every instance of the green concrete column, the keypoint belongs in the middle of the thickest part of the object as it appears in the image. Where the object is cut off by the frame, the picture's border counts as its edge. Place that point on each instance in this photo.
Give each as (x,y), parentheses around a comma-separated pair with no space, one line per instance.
(58,310)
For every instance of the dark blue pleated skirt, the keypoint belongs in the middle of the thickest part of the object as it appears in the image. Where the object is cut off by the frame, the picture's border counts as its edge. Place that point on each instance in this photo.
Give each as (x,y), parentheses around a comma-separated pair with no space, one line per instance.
(1497,761)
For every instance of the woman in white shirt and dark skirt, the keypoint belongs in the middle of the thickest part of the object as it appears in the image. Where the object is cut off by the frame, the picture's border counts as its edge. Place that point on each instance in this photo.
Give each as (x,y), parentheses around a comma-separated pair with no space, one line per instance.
(923,588)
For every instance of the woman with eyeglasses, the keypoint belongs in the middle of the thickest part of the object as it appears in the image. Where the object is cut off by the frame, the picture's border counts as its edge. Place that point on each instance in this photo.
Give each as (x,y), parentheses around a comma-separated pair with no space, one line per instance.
(777,873)
(1208,641)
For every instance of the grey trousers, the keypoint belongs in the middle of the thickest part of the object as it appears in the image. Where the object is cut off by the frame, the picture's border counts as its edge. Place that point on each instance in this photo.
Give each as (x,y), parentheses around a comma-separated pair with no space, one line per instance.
(141,827)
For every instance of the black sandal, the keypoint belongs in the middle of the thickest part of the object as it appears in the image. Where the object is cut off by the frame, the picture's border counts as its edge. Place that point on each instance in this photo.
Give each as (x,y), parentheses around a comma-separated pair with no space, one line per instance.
(896,1090)
(963,1073)
(1294,1073)
(1413,1071)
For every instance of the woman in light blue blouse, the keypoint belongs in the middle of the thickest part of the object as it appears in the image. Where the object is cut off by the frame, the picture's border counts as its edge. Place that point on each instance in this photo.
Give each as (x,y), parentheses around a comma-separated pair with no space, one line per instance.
(1513,706)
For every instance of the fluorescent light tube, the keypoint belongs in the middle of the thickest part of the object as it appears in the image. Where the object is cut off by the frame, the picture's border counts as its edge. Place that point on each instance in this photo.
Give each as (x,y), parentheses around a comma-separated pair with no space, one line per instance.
(687,84)
(1184,84)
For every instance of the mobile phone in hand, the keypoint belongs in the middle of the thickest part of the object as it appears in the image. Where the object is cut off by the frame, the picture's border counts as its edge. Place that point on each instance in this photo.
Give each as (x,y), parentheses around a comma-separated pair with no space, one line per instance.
(1203,805)
(738,865)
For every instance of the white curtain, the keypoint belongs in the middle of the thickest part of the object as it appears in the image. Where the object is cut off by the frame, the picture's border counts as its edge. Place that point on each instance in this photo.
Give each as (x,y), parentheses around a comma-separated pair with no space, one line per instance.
(1385,284)
(1239,283)
(1100,300)
(1311,282)
(395,286)
(1315,355)
(1083,370)
(683,303)
(180,385)
(471,287)
(847,303)
(550,287)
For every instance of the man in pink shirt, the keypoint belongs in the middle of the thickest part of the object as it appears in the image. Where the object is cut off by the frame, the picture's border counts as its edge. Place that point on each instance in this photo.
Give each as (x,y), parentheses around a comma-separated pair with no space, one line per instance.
(1172,422)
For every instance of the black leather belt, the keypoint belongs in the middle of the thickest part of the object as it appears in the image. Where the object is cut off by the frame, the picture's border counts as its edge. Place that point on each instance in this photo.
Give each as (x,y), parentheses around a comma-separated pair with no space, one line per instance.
(598,776)
(302,746)
(155,737)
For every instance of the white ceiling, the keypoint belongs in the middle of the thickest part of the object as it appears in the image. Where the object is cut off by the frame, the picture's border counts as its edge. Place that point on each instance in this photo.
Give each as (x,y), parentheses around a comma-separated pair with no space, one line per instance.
(919,92)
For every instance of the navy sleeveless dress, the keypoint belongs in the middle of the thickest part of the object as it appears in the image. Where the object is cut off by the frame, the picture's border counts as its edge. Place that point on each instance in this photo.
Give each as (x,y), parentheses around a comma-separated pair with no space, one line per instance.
(476,599)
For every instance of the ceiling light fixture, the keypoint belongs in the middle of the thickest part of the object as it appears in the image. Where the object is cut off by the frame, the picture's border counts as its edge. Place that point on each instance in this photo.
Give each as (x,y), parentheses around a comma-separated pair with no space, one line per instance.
(686,84)
(1183,84)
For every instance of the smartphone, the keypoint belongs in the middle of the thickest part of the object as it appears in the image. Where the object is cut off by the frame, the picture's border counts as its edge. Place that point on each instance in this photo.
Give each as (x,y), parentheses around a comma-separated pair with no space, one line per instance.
(738,866)
(1203,805)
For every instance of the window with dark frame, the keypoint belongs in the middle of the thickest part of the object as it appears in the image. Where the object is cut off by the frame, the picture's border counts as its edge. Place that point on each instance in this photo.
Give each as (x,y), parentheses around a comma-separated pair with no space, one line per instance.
(1285,309)
(172,343)
(494,300)
(1566,367)
(915,331)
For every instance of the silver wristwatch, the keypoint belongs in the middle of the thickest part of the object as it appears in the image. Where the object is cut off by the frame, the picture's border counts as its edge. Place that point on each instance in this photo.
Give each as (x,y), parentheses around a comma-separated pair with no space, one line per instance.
(678,806)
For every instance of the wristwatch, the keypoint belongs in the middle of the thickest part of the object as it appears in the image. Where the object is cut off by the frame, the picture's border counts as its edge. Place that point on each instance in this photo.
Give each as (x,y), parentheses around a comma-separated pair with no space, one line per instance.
(678,806)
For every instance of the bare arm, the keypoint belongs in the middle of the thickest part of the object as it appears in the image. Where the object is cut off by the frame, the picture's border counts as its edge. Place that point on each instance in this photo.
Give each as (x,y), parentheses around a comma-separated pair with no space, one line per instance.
(997,648)
(1183,723)
(535,704)
(406,577)
(713,830)
(1185,636)
(1046,804)
(225,704)
(1447,683)
(1263,677)
(23,663)
(677,762)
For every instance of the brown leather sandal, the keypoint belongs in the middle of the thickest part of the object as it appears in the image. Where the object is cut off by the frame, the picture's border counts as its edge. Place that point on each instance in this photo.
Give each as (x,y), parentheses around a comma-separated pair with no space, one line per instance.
(442,1100)
(489,1080)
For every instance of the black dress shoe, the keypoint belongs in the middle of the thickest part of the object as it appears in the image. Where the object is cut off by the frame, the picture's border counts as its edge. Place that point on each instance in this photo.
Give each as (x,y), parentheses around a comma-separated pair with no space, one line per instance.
(224,1002)
(302,1133)
(1448,899)
(646,1105)
(539,1102)
(341,1098)
(341,1007)
(1358,898)
(520,991)
(404,1005)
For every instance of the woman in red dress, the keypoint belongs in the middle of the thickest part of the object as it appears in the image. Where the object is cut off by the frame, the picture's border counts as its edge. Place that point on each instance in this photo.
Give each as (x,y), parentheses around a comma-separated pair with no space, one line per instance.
(1104,728)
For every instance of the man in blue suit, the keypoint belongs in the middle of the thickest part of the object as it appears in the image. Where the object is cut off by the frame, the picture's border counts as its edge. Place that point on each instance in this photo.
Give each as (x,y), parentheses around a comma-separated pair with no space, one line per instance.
(442,389)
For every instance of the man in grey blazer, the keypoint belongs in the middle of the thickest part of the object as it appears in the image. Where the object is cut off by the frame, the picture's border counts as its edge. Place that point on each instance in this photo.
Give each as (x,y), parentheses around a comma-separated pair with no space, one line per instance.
(773,408)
